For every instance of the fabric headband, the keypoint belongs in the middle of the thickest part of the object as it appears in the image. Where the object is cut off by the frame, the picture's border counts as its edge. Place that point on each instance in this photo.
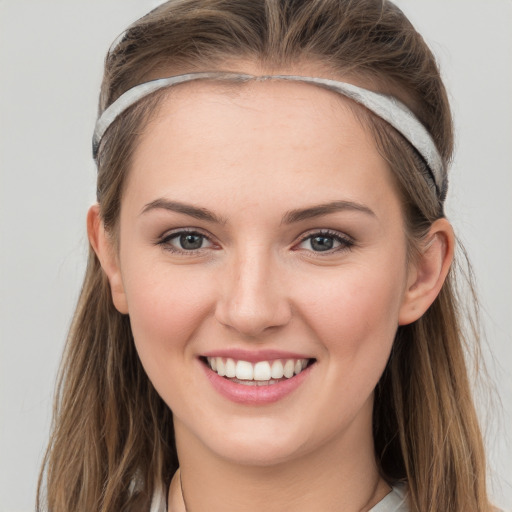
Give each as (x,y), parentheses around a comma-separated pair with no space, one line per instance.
(386,107)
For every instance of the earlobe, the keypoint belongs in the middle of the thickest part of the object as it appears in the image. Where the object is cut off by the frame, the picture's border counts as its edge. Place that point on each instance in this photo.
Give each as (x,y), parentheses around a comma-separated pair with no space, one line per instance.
(106,253)
(428,273)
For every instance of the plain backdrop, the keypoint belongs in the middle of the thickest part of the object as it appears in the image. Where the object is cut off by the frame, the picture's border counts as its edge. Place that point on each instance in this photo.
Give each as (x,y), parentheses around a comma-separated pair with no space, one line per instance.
(51,55)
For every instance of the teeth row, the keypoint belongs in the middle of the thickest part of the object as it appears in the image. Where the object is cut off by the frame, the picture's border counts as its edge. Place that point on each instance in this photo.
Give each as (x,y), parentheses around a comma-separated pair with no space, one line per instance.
(260,371)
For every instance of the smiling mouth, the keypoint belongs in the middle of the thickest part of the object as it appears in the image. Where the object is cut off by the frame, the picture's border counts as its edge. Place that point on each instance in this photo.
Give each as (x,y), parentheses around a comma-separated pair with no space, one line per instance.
(262,373)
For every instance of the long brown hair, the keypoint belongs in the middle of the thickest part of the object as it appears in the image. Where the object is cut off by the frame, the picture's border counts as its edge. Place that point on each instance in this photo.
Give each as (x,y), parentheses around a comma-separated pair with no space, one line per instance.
(112,444)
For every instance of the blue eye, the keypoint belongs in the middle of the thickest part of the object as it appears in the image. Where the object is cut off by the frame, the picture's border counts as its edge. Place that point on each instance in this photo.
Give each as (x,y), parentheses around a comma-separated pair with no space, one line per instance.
(185,241)
(190,241)
(325,241)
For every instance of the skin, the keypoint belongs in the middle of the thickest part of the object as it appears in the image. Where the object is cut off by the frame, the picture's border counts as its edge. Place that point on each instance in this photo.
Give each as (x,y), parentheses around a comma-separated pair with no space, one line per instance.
(250,155)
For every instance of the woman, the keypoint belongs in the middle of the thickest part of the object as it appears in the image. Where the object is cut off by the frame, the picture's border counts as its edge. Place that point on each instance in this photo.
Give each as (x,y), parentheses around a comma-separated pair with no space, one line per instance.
(270,261)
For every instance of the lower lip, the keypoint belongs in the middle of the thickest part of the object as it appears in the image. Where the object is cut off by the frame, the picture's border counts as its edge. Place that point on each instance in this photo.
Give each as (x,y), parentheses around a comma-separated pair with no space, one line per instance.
(255,395)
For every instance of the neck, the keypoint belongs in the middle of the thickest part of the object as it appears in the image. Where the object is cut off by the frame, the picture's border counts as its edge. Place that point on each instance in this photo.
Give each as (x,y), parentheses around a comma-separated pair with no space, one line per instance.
(341,475)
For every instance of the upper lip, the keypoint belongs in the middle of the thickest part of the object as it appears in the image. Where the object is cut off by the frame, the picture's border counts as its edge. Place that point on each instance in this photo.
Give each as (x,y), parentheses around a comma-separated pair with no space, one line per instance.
(253,356)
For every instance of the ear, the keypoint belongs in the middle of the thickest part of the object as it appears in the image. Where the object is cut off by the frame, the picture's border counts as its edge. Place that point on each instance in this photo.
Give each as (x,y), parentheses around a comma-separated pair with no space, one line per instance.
(428,273)
(103,246)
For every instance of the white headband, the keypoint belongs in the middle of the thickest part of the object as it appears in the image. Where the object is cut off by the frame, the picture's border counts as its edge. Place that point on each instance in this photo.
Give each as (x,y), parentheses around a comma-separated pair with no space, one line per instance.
(384,106)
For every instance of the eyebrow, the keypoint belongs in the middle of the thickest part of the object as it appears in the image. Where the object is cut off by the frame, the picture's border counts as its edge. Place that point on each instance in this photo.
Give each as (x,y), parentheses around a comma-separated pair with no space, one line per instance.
(324,209)
(288,218)
(187,209)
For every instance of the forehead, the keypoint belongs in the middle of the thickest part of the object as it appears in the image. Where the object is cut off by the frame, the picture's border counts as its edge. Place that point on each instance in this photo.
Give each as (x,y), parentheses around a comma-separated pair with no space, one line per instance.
(267,138)
(260,103)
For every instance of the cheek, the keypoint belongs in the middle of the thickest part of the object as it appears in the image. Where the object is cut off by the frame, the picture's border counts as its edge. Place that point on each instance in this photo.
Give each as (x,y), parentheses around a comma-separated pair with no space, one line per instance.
(166,306)
(355,316)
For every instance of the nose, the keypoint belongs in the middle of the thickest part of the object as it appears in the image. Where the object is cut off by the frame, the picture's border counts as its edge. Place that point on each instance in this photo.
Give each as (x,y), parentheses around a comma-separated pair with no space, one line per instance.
(253,297)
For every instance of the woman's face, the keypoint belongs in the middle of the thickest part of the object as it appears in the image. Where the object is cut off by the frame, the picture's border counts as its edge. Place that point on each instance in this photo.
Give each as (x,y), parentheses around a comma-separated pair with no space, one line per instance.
(260,225)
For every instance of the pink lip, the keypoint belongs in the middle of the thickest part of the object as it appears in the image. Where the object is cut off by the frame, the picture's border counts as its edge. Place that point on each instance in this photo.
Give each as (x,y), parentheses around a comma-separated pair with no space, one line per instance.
(252,356)
(255,395)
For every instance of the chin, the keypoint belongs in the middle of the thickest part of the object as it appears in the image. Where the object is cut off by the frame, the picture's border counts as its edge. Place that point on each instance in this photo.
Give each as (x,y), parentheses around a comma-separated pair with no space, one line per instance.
(260,443)
(258,454)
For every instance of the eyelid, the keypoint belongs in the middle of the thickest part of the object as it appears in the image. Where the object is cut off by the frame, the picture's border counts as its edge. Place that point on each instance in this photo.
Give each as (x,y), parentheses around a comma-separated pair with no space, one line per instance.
(164,240)
(346,241)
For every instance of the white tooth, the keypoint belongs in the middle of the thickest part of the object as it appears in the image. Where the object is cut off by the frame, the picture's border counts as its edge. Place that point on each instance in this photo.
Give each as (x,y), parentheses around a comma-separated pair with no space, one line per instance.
(304,363)
(298,367)
(262,371)
(277,370)
(257,382)
(221,369)
(213,363)
(244,370)
(230,368)
(266,382)
(288,369)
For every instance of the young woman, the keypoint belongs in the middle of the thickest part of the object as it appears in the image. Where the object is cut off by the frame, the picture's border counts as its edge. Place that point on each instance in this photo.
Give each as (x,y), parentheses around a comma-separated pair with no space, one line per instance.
(268,319)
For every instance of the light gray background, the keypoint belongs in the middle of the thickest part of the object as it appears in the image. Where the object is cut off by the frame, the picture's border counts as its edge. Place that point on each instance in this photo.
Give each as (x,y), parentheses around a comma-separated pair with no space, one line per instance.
(51,55)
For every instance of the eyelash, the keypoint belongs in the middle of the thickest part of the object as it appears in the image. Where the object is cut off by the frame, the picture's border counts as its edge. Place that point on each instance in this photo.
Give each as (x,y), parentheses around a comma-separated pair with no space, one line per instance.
(165,241)
(346,243)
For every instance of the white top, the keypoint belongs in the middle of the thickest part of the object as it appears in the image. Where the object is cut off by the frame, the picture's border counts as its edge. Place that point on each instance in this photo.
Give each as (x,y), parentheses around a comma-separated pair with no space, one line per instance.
(395,501)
